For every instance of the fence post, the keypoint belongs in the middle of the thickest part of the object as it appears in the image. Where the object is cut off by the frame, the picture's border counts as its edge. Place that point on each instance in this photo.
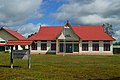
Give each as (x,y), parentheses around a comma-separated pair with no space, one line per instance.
(29,58)
(11,57)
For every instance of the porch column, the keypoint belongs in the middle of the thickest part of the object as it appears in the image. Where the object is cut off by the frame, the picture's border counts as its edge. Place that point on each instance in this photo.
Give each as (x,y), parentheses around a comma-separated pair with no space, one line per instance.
(111,46)
(29,58)
(90,46)
(101,46)
(80,46)
(57,46)
(11,57)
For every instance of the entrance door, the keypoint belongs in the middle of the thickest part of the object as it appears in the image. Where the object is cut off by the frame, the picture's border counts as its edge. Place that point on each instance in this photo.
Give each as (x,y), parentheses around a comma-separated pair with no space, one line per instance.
(61,48)
(68,48)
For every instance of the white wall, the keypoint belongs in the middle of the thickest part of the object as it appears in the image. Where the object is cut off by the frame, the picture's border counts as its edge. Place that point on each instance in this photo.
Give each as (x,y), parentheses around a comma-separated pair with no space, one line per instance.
(68,31)
(1,39)
(6,36)
(43,51)
(101,47)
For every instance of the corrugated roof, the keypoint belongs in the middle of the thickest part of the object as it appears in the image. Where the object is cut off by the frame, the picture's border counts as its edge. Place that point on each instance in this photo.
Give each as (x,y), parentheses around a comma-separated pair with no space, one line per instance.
(2,44)
(91,33)
(19,42)
(47,33)
(84,33)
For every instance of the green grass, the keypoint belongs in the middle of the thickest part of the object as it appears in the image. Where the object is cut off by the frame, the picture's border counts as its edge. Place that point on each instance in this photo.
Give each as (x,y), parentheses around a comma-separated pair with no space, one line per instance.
(58,67)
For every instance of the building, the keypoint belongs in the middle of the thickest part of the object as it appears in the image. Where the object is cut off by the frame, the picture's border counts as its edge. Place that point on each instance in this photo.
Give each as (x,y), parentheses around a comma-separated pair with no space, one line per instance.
(72,40)
(7,34)
(116,49)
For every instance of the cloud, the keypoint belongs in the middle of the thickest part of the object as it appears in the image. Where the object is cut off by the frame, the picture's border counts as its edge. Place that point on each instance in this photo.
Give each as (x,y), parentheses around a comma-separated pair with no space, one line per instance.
(17,11)
(90,11)
(29,28)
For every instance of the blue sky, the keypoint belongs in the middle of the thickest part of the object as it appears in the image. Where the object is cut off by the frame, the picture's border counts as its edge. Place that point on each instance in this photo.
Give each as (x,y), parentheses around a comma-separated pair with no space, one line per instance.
(48,7)
(26,16)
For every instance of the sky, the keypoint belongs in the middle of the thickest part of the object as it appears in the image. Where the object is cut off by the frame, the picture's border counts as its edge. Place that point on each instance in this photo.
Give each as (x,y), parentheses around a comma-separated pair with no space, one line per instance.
(26,16)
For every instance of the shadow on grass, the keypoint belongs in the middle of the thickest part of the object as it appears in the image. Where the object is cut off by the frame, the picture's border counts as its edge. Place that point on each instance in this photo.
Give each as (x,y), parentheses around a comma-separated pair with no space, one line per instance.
(113,78)
(6,66)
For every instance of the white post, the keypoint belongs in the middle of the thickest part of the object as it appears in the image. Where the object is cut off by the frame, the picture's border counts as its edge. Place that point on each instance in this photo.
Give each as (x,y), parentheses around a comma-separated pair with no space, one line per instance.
(111,46)
(64,44)
(90,46)
(80,46)
(57,46)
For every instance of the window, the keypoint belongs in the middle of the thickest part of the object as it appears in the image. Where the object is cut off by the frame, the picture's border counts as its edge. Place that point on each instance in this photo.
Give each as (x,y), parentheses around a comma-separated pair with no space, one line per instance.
(95,41)
(106,47)
(106,41)
(53,46)
(84,41)
(43,46)
(61,47)
(96,47)
(2,41)
(76,47)
(53,41)
(43,41)
(84,47)
(34,46)
(76,41)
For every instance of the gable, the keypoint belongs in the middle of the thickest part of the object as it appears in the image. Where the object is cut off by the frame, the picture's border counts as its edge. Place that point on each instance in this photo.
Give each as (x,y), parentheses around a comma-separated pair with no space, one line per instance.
(1,39)
(14,33)
(47,33)
(6,36)
(68,34)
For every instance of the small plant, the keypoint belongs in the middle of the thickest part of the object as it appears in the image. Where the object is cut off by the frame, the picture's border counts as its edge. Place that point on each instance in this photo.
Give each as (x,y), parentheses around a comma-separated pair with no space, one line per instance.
(6,51)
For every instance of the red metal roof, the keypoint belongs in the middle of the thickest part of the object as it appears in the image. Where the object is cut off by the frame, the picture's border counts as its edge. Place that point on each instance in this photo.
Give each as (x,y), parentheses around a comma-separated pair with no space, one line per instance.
(91,33)
(47,33)
(19,42)
(84,33)
(2,44)
(15,34)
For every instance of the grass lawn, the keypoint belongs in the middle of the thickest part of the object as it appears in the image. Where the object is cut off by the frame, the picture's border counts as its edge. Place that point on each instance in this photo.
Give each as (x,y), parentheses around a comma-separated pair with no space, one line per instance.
(58,67)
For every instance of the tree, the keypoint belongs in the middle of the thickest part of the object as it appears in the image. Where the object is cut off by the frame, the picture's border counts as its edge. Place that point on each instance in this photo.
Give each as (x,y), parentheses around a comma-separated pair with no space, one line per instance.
(116,43)
(31,35)
(108,29)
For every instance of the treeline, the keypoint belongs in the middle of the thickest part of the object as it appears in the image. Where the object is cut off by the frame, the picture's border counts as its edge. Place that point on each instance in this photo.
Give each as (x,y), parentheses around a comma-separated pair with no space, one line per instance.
(116,43)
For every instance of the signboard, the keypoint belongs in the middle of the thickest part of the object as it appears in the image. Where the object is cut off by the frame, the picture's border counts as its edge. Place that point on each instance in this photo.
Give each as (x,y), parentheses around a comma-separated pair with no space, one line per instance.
(20,54)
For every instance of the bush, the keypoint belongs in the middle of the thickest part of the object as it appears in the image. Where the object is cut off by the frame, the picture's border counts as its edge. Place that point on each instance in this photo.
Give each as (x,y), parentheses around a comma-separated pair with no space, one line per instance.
(6,51)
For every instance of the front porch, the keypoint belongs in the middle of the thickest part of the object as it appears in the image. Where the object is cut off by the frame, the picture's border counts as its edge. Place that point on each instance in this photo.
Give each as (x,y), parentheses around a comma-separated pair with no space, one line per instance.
(67,46)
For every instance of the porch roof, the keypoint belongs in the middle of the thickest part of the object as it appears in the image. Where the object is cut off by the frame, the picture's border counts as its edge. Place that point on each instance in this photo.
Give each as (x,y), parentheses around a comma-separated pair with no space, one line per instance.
(19,42)
(2,44)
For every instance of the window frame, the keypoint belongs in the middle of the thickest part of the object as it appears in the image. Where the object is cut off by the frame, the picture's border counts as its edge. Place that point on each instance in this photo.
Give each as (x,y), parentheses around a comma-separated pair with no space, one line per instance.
(53,49)
(35,45)
(86,48)
(94,47)
(43,47)
(108,43)
(85,42)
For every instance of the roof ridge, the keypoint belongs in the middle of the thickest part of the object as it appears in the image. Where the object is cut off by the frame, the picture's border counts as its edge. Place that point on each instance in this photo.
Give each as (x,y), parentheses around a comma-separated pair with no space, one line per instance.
(52,26)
